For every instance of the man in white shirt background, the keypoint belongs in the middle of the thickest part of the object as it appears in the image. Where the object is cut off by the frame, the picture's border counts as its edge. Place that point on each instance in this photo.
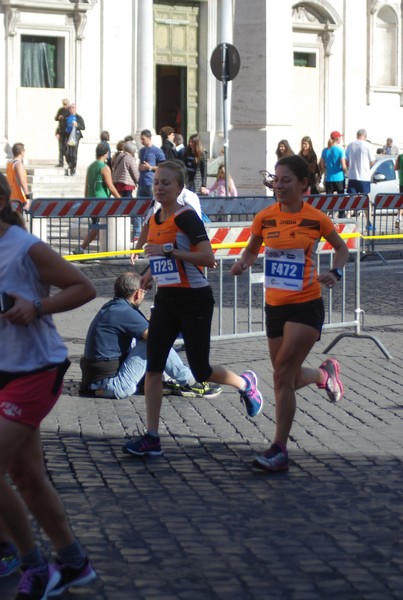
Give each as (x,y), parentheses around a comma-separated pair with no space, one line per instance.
(359,158)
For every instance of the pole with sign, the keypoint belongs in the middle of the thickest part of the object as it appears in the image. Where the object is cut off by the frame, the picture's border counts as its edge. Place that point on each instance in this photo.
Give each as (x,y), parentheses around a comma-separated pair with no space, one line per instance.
(225,63)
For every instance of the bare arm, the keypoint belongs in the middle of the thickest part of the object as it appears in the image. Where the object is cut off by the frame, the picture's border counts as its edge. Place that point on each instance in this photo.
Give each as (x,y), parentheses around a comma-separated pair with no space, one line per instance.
(340,258)
(21,177)
(249,255)
(107,177)
(75,288)
(133,170)
(140,242)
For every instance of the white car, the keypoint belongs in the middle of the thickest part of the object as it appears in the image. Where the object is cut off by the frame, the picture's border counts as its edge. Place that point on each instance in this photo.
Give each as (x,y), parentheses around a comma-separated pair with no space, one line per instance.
(384,178)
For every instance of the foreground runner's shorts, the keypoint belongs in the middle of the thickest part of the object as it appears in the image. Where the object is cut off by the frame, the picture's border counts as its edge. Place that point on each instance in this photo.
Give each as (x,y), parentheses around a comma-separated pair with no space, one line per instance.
(27,400)
(308,313)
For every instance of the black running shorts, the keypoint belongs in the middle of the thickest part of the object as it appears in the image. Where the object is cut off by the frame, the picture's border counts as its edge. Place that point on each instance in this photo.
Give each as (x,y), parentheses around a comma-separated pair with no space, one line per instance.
(308,313)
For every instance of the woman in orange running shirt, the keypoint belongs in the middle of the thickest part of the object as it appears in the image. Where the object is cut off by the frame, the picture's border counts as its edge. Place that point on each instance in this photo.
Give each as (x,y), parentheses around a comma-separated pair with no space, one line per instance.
(291,230)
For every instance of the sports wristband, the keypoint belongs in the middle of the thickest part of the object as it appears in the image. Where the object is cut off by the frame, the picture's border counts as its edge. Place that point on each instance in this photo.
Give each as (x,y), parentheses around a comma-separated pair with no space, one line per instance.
(337,272)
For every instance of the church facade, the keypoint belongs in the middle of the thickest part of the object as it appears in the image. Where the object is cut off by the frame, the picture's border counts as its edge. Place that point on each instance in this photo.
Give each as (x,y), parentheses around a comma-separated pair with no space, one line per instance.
(307,68)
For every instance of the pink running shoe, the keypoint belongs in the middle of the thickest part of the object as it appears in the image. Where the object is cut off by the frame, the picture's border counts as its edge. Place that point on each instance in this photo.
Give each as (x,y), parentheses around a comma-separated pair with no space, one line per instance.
(332,385)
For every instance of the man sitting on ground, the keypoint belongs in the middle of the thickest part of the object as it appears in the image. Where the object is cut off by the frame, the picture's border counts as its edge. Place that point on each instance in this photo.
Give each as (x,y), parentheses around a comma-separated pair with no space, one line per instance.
(114,360)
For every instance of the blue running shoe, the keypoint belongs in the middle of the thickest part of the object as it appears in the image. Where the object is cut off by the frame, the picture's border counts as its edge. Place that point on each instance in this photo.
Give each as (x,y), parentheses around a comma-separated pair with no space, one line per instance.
(9,561)
(63,577)
(274,459)
(251,396)
(147,445)
(333,385)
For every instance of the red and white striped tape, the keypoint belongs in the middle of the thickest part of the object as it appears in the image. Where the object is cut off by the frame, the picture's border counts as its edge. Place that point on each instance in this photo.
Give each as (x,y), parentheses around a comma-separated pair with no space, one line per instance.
(231,235)
(108,207)
(228,235)
(353,244)
(325,202)
(382,201)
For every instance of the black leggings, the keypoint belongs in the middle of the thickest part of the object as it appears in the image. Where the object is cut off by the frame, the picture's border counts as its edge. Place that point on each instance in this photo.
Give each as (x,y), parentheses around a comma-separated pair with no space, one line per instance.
(186,311)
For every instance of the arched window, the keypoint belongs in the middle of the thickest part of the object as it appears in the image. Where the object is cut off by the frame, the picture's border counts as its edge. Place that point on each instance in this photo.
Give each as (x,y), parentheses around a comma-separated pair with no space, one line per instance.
(385,48)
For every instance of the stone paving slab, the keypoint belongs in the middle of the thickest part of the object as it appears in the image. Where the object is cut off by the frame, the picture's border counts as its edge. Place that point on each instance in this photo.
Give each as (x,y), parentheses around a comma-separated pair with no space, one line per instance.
(200,523)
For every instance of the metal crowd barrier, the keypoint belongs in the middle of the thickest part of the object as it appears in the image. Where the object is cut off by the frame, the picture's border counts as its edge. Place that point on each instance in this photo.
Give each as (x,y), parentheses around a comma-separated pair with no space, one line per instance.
(64,222)
(240,300)
(387,231)
(243,297)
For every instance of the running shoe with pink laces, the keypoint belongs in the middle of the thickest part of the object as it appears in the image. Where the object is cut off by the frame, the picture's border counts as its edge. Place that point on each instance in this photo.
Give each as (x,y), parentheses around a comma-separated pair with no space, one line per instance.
(332,384)
(251,396)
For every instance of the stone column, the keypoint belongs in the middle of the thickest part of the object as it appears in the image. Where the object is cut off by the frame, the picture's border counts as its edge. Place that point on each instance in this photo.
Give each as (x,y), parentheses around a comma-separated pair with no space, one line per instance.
(116,236)
(262,98)
(145,65)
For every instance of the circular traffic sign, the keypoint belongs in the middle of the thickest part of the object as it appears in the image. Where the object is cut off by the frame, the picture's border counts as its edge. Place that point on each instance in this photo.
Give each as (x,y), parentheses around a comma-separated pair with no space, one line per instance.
(225,62)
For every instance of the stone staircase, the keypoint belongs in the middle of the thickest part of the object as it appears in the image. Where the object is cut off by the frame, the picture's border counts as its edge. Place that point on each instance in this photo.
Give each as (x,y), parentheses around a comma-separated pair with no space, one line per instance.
(47,181)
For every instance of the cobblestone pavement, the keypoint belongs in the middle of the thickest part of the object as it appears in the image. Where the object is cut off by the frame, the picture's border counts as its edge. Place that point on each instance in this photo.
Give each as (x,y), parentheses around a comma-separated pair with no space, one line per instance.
(199,523)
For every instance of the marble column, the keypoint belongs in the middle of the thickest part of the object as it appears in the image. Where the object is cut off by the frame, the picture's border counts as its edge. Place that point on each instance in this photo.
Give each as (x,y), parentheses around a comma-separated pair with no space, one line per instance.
(145,65)
(262,93)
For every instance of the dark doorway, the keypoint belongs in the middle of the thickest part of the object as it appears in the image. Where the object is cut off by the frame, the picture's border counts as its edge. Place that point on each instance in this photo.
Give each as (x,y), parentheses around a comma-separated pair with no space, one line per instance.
(171,98)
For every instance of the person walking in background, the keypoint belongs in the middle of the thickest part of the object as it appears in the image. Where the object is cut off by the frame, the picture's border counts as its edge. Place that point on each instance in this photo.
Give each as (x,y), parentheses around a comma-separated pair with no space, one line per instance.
(17,176)
(399,168)
(178,247)
(195,159)
(31,376)
(283,149)
(125,172)
(218,188)
(98,184)
(74,126)
(119,149)
(179,145)
(105,137)
(359,158)
(290,230)
(309,155)
(167,134)
(60,117)
(149,158)
(390,148)
(333,164)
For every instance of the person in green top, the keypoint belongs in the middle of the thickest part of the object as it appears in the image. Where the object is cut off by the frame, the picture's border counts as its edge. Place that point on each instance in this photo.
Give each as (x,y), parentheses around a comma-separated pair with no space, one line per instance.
(399,167)
(98,184)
